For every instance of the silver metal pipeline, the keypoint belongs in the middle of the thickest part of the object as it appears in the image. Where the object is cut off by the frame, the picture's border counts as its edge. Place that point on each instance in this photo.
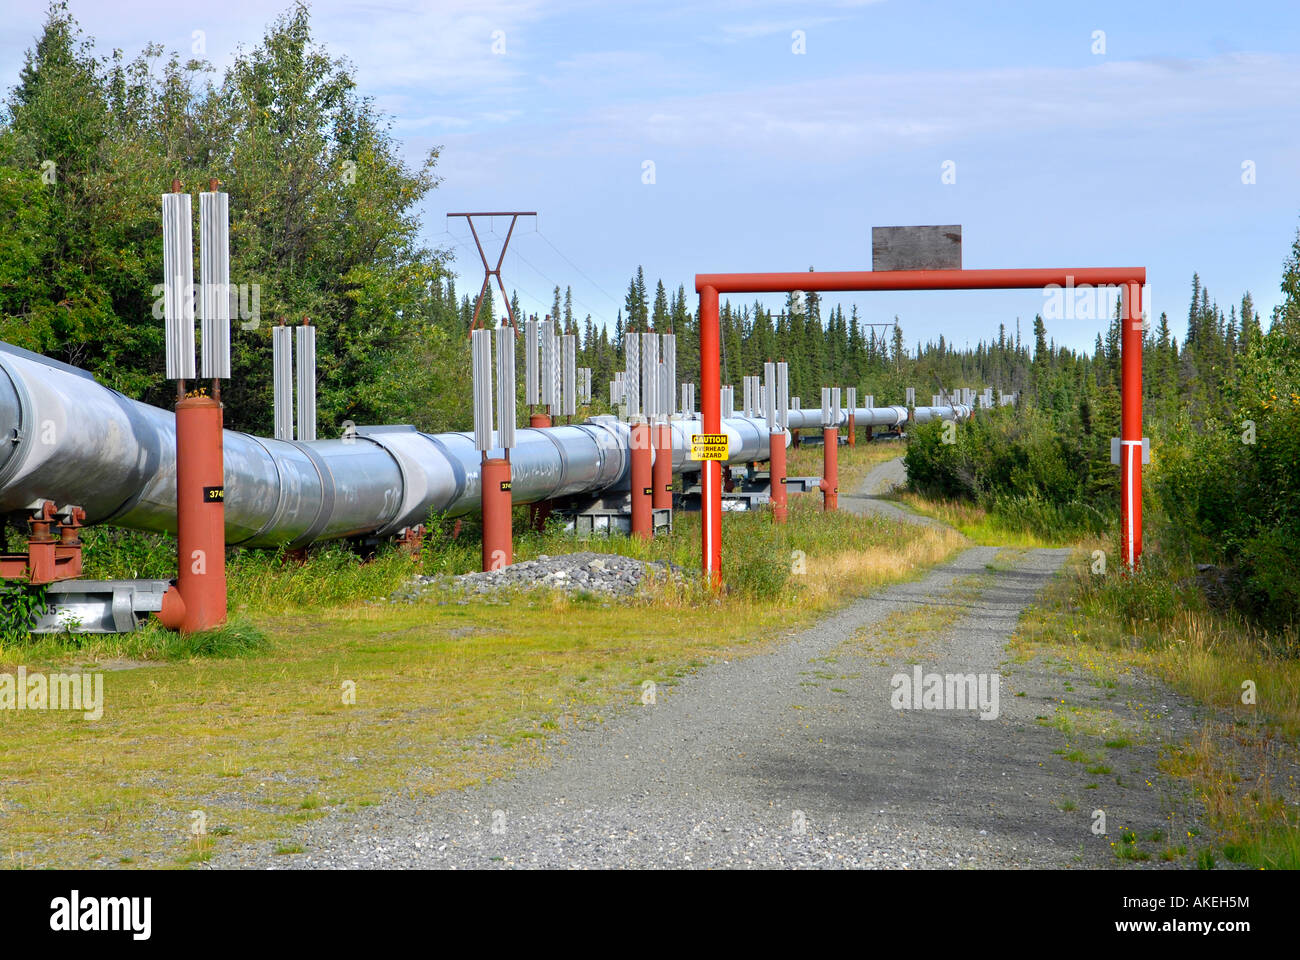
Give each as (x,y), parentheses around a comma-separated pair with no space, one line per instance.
(67,438)
(811,418)
(956,411)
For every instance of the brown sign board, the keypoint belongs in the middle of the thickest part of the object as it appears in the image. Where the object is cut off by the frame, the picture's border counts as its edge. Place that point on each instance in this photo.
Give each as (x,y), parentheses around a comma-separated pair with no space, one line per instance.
(916,248)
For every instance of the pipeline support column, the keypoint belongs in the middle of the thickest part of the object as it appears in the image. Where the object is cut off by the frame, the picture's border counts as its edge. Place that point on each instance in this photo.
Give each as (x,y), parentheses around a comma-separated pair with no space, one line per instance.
(200,513)
(642,480)
(498,541)
(830,468)
(663,467)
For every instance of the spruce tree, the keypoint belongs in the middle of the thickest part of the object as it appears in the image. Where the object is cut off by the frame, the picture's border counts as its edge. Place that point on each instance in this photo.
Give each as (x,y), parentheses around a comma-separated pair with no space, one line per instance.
(660,318)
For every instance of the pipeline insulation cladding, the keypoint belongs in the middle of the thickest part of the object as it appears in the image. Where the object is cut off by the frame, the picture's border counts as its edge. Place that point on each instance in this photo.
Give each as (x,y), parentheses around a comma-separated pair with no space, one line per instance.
(116,458)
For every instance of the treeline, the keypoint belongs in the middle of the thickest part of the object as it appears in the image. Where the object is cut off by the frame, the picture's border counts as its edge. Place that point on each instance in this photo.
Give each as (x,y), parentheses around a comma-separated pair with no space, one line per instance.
(1222,410)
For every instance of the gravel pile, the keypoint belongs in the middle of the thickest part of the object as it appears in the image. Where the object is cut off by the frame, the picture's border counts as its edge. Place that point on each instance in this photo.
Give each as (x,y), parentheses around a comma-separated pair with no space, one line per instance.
(607,574)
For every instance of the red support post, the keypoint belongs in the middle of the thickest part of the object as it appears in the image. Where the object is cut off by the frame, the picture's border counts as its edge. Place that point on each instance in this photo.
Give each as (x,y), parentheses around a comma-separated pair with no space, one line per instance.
(1131,426)
(498,541)
(776,470)
(662,472)
(642,481)
(711,422)
(200,513)
(853,429)
(830,468)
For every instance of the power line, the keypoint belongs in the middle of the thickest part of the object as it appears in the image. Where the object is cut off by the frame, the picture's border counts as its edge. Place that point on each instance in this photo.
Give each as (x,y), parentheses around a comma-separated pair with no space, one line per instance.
(515,287)
(576,300)
(538,231)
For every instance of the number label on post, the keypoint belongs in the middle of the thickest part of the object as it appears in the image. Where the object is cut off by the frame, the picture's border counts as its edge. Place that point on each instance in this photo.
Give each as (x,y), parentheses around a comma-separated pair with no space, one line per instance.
(214,494)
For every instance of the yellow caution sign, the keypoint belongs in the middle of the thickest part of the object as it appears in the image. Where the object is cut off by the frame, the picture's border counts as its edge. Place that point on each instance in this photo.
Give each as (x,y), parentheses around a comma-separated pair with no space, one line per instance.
(710,446)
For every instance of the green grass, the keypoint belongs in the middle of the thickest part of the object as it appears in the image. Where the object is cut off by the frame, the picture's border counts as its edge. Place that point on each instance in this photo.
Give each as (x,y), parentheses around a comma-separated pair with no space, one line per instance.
(1127,847)
(988,528)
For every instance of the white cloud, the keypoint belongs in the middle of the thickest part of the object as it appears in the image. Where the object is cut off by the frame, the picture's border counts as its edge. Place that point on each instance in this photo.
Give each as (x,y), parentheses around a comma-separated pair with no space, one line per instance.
(877,113)
(766,28)
(440,48)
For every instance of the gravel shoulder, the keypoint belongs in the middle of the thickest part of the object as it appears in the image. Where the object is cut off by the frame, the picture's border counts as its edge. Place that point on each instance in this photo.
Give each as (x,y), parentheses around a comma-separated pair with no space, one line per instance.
(796,758)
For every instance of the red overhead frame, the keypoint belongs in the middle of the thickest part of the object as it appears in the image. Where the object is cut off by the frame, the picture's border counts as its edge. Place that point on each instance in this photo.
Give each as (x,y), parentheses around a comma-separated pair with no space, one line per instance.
(1129,279)
(489,272)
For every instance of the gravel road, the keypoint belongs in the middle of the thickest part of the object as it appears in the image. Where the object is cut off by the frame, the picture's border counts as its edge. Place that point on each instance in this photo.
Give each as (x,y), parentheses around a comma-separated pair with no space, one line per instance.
(879,483)
(796,758)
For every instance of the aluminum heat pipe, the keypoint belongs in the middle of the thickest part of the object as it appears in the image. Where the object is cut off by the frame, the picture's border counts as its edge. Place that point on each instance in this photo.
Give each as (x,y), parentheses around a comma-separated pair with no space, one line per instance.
(67,438)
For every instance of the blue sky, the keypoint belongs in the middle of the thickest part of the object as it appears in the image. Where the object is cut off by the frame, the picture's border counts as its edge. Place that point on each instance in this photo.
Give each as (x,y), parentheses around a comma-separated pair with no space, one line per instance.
(768,159)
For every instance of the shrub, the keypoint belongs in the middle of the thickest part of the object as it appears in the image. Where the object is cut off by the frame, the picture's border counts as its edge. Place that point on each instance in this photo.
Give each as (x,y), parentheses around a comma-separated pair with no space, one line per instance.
(1230,500)
(20,607)
(1020,465)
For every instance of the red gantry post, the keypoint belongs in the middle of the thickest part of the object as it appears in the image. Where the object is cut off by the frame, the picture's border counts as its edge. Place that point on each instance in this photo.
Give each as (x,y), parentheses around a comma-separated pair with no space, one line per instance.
(1131,425)
(710,285)
(710,422)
